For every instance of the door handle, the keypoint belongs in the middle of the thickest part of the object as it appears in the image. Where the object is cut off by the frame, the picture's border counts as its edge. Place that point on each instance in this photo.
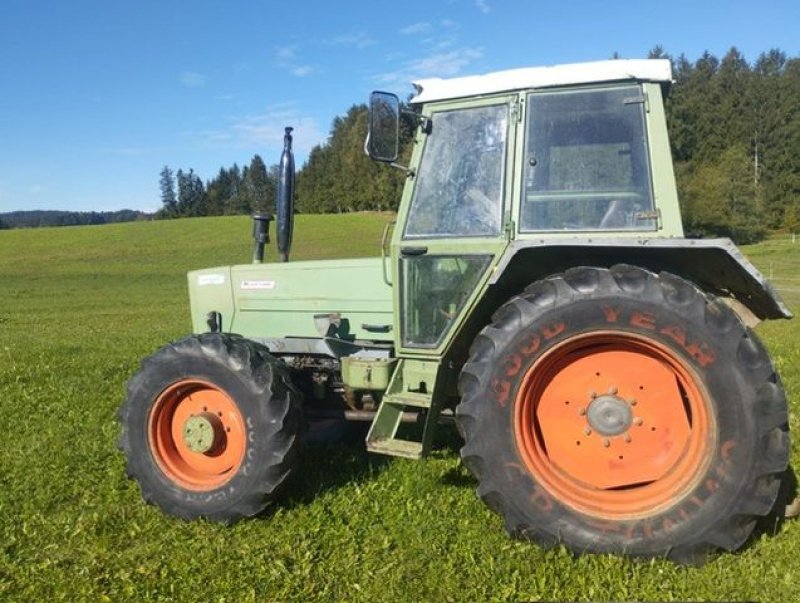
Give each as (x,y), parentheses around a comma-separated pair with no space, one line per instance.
(413,250)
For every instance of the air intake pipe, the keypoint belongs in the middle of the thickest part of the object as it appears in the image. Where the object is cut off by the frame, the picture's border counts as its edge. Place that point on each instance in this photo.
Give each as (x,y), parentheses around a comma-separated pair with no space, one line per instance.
(285,201)
(260,236)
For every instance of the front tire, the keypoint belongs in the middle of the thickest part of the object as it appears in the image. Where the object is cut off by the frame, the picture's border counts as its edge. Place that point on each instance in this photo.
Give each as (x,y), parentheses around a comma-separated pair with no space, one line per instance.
(211,427)
(616,410)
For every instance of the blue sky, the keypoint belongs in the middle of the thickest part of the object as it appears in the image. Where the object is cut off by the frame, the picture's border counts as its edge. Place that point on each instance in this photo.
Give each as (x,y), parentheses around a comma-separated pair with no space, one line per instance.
(97,96)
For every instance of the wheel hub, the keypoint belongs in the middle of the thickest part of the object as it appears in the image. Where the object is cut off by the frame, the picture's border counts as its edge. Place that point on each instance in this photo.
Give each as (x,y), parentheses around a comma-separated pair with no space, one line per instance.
(609,415)
(201,432)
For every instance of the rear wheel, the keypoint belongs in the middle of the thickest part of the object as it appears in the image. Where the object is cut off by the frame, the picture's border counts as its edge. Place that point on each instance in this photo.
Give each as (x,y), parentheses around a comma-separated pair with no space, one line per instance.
(622,411)
(211,427)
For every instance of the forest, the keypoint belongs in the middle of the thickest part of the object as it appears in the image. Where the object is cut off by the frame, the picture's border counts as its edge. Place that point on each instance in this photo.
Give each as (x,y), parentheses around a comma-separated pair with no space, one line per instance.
(39,218)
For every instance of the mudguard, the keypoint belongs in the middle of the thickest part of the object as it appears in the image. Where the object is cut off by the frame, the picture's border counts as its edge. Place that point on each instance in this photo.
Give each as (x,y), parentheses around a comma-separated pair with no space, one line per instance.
(715,265)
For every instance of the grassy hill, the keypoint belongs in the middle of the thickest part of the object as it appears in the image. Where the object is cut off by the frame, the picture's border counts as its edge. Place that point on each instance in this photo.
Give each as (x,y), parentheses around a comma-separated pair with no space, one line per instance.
(80,307)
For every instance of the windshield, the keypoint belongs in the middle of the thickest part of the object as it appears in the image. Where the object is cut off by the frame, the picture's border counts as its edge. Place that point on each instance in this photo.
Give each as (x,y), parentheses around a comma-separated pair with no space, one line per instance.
(459,184)
(587,166)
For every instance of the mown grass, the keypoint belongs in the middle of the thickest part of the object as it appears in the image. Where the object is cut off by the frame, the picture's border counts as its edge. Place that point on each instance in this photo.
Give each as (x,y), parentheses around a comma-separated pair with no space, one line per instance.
(79,307)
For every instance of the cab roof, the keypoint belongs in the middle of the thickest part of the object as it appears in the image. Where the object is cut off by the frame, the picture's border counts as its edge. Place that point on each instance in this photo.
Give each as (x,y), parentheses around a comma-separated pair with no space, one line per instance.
(650,70)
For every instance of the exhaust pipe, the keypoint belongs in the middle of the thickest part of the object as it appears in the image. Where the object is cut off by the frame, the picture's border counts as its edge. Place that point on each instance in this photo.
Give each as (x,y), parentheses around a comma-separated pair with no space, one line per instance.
(260,236)
(285,202)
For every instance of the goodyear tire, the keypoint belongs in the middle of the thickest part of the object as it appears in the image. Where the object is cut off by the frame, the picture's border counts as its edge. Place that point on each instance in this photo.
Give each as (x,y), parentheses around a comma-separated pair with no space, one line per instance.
(211,427)
(616,410)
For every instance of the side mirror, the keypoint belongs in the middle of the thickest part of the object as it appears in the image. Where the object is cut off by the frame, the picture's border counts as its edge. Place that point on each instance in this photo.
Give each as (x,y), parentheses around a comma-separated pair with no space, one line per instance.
(383,138)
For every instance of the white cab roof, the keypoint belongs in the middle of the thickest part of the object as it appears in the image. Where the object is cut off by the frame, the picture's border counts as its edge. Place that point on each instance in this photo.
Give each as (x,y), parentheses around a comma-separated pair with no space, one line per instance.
(651,70)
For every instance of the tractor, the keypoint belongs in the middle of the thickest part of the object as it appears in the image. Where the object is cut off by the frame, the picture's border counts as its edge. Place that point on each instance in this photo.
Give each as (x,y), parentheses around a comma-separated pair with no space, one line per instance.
(537,289)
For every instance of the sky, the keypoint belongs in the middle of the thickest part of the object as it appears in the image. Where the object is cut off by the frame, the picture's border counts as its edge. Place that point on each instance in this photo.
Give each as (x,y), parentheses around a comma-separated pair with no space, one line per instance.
(97,96)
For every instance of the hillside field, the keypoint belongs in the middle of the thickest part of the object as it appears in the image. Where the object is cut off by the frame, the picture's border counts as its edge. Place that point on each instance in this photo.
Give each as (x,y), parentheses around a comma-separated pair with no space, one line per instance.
(79,308)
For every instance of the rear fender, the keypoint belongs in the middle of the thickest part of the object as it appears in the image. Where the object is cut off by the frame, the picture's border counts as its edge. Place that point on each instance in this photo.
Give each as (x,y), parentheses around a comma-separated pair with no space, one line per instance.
(715,265)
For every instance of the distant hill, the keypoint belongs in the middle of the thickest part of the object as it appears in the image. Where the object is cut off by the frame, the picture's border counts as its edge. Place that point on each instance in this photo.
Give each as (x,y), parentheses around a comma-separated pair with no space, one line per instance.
(39,218)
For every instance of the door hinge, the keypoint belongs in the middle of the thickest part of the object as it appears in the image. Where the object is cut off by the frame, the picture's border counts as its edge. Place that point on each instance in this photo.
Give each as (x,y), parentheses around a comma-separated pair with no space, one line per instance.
(516,109)
(649,215)
(509,227)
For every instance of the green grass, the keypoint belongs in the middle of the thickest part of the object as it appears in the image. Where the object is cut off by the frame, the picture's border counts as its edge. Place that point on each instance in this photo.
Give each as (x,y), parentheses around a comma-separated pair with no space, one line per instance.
(79,307)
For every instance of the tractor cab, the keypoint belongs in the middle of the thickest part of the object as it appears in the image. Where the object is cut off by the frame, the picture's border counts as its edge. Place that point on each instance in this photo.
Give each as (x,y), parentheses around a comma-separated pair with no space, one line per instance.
(549,150)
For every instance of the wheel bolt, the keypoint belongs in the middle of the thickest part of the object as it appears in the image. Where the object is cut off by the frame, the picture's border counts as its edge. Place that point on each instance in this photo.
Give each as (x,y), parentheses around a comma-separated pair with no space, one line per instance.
(587,431)
(638,421)
(612,390)
(593,395)
(632,402)
(582,412)
(606,443)
(627,438)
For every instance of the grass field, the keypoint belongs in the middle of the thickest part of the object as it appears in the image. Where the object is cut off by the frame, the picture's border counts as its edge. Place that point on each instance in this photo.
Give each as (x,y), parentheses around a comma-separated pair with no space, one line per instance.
(79,307)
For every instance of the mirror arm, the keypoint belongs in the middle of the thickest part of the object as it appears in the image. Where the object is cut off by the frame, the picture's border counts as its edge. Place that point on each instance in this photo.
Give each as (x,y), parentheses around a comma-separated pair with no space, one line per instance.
(409,172)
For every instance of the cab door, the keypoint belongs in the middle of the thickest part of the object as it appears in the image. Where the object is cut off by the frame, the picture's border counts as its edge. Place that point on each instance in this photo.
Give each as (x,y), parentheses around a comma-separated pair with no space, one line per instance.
(455,218)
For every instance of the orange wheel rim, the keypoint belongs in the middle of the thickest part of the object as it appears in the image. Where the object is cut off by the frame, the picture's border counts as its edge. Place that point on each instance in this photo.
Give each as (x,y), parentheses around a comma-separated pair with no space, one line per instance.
(196,435)
(614,425)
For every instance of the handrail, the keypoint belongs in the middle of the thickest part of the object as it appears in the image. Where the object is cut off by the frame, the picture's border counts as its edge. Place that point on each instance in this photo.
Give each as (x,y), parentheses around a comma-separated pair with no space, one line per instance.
(385,238)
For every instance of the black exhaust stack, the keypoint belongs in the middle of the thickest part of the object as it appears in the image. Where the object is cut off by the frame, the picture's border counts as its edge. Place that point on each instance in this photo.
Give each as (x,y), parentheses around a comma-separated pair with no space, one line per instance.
(260,236)
(285,202)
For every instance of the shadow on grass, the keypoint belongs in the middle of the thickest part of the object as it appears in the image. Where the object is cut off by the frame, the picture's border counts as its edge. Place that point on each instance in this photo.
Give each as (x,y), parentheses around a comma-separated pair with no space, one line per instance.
(335,455)
(770,524)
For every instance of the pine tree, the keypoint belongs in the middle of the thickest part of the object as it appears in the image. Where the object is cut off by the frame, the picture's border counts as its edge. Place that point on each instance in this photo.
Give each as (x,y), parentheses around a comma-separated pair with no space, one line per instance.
(168,200)
(261,189)
(191,193)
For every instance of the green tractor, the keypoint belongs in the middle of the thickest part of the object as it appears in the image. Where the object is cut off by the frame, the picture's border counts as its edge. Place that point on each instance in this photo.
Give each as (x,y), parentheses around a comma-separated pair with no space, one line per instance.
(538,288)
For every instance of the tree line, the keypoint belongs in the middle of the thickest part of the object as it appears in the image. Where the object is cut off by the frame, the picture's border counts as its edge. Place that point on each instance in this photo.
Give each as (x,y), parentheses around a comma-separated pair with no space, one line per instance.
(233,191)
(42,218)
(735,135)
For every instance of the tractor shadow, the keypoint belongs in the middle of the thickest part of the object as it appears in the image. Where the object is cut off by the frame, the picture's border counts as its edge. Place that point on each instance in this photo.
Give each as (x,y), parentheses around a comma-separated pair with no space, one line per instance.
(786,508)
(336,456)
(333,457)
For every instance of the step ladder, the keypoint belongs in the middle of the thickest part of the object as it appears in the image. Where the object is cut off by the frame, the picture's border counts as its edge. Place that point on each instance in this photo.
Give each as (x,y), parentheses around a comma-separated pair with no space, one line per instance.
(410,389)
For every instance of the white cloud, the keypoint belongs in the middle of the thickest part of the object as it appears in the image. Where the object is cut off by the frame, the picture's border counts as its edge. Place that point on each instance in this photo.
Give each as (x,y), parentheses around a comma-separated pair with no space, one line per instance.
(302,70)
(286,57)
(439,43)
(192,79)
(286,53)
(416,28)
(438,64)
(483,6)
(263,132)
(358,39)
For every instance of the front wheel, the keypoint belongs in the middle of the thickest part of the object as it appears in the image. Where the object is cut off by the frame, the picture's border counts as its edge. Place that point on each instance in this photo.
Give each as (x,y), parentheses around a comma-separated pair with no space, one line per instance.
(623,411)
(211,427)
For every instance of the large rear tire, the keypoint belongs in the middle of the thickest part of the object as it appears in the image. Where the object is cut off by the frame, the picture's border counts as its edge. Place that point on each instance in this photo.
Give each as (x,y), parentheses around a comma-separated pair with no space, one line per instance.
(211,427)
(623,411)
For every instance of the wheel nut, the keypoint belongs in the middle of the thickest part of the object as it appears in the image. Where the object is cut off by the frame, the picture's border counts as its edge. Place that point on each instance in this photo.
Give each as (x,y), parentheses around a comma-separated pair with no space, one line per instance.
(582,412)
(612,390)
(587,431)
(606,443)
(632,402)
(638,421)
(627,438)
